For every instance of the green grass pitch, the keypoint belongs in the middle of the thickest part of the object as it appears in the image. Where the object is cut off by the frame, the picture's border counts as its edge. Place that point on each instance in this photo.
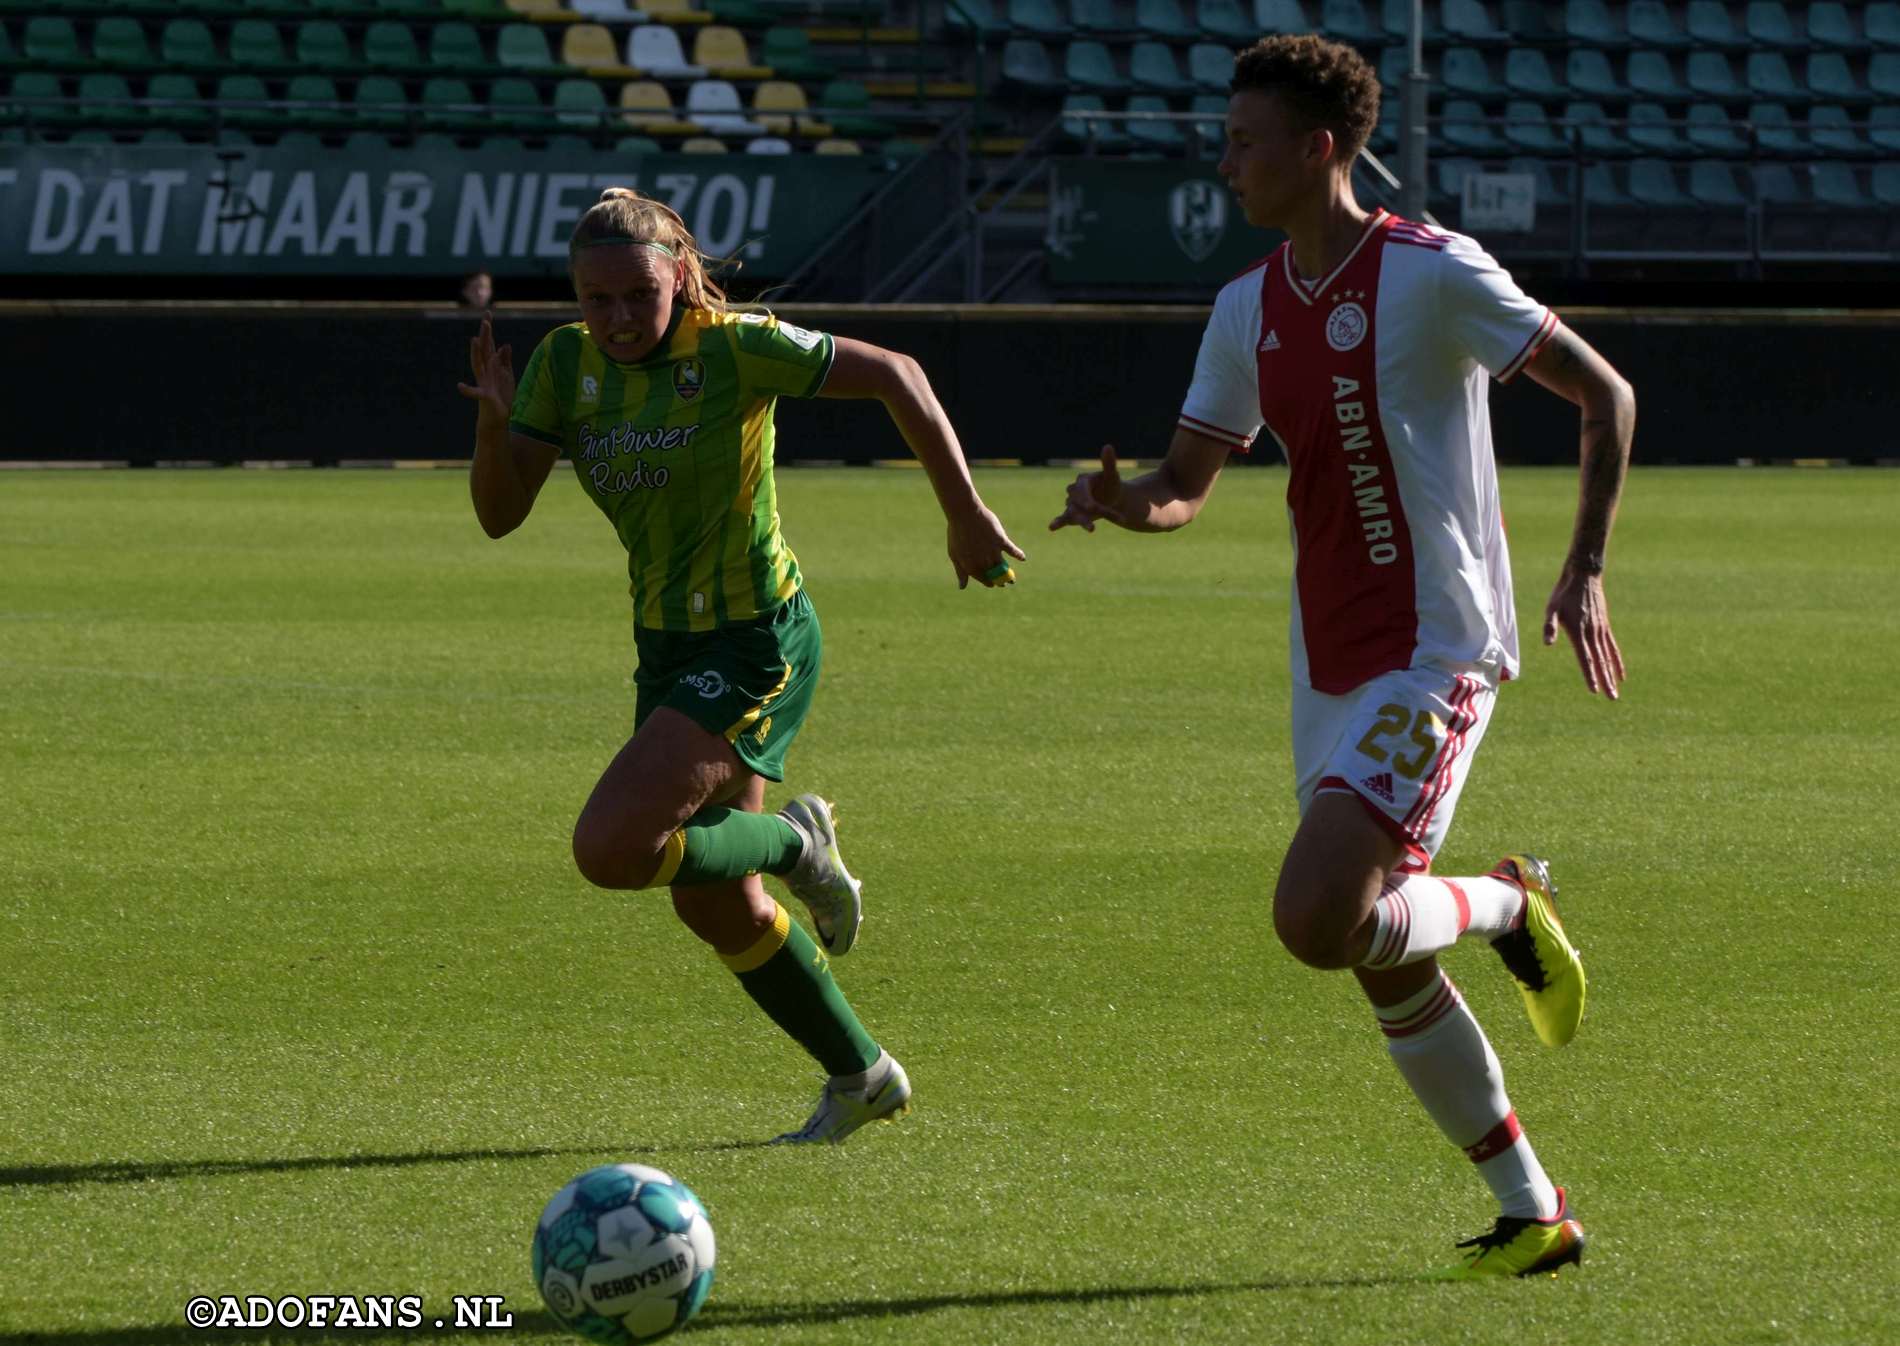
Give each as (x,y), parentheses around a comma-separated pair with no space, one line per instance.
(300,992)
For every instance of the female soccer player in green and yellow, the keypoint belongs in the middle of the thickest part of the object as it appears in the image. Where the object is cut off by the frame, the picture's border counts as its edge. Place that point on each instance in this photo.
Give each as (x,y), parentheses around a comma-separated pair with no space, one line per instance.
(662,396)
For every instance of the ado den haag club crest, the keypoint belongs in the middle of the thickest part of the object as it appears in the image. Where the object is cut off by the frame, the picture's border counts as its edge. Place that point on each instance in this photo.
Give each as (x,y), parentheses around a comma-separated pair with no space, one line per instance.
(1197,213)
(689,376)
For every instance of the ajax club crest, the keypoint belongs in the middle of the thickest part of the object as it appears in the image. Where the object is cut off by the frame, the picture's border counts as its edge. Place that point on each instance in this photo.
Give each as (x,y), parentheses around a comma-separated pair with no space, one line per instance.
(1197,213)
(1346,326)
(689,376)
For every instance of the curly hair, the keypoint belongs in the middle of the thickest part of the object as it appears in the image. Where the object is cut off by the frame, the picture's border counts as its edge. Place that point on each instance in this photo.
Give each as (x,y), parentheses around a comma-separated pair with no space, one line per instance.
(1327,85)
(623,213)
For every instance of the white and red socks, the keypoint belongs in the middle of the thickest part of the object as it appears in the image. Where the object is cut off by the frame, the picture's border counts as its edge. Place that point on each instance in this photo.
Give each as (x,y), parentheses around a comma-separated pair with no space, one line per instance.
(1417,915)
(1438,1047)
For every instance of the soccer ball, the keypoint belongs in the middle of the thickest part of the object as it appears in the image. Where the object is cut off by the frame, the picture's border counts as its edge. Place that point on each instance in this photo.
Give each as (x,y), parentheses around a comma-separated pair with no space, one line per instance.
(623,1253)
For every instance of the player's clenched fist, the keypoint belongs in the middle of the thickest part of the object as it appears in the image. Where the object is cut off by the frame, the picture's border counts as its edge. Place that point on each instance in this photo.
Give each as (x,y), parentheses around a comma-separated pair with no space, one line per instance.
(1093,495)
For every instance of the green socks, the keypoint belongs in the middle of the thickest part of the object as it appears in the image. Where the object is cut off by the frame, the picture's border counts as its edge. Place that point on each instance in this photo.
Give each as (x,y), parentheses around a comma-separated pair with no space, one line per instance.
(790,978)
(721,843)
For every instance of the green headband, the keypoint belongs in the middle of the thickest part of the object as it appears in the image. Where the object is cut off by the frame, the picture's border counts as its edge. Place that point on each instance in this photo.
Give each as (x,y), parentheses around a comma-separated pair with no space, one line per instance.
(622,241)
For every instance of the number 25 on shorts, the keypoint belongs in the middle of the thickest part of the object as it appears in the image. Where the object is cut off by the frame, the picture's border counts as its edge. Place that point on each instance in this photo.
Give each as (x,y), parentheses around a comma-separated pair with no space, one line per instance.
(1427,731)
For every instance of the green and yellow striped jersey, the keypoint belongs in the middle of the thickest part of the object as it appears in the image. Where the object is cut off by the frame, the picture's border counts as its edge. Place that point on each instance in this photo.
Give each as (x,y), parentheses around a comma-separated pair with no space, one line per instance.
(677,452)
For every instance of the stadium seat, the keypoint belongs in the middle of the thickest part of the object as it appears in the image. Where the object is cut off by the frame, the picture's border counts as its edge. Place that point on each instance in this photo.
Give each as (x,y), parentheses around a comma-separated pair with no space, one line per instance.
(788,52)
(1038,18)
(380,104)
(1837,185)
(722,50)
(1096,18)
(1210,66)
(105,98)
(1882,23)
(1466,71)
(1165,19)
(1653,183)
(1225,19)
(390,48)
(1102,134)
(1087,65)
(1652,24)
(1883,126)
(1777,183)
(1151,65)
(1711,131)
(703,145)
(1591,129)
(715,105)
(1527,126)
(1651,131)
(322,45)
(1712,183)
(1767,24)
(1770,77)
(175,100)
(315,102)
(1830,80)
(1348,21)
(645,103)
(514,103)
(1166,136)
(847,105)
(768,145)
(1886,184)
(780,106)
(119,43)
(636,146)
(532,8)
(1589,73)
(838,147)
(1280,16)
(255,45)
(655,48)
(1600,187)
(1710,75)
(1451,175)
(1396,19)
(1711,25)
(523,48)
(185,44)
(974,16)
(1652,76)
(448,104)
(1208,131)
(670,11)
(1883,76)
(1830,27)
(1775,131)
(580,102)
(1526,71)
(52,43)
(1468,21)
(1026,62)
(1531,21)
(1588,23)
(1466,128)
(455,48)
(43,87)
(608,11)
(242,101)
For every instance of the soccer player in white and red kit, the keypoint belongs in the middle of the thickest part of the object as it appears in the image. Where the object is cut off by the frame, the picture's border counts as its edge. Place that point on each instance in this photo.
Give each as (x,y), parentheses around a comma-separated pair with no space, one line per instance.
(1362,346)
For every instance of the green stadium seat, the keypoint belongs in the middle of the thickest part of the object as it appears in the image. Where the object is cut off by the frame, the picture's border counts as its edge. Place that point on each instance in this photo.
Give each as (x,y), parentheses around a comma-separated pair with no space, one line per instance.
(105,99)
(1830,79)
(1348,21)
(572,145)
(1768,25)
(390,47)
(514,103)
(1095,132)
(119,43)
(161,136)
(177,101)
(342,9)
(788,51)
(1467,129)
(1775,131)
(239,103)
(580,102)
(1532,21)
(455,48)
(318,98)
(1588,23)
(1712,131)
(1883,126)
(1097,18)
(1770,77)
(449,105)
(1155,135)
(1026,62)
(185,44)
(523,47)
(322,45)
(1652,76)
(1588,72)
(417,9)
(1600,187)
(1226,20)
(1711,25)
(846,104)
(1087,65)
(1709,74)
(1653,24)
(1830,28)
(1450,175)
(1468,21)
(1467,72)
(1527,127)
(256,45)
(34,85)
(11,57)
(1651,131)
(476,9)
(1776,183)
(52,43)
(1886,184)
(1396,19)
(1038,18)
(1527,71)
(637,146)
(1590,128)
(975,17)
(1832,128)
(1882,25)
(1712,183)
(1281,16)
(1837,185)
(1209,133)
(1211,66)
(1151,65)
(435,142)
(1883,75)
(1653,183)
(1165,19)
(380,104)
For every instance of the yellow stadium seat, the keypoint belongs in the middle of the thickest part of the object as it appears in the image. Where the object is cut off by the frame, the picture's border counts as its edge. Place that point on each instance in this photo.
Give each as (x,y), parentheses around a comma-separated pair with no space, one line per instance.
(838,147)
(543,11)
(774,99)
(673,11)
(590,47)
(702,145)
(722,51)
(646,105)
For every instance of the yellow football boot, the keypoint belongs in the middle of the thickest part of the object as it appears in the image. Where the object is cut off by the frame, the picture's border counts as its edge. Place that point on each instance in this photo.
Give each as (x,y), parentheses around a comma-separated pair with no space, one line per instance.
(1548,968)
(1517,1246)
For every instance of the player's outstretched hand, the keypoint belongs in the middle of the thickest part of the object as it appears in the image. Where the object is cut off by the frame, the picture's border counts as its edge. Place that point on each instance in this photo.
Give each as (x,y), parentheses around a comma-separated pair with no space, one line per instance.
(980,550)
(1092,496)
(494,388)
(1579,607)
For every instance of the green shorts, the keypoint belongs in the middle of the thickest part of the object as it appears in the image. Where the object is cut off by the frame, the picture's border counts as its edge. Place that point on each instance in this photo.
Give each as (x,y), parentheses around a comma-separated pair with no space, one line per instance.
(749,682)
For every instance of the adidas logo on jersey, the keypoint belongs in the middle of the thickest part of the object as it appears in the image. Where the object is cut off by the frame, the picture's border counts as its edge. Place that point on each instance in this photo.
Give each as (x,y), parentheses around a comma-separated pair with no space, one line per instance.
(1270,342)
(1380,785)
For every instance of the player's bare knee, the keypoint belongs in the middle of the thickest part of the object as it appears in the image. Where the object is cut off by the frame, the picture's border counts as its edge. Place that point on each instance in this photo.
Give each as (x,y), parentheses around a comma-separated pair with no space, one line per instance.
(1317,942)
(606,860)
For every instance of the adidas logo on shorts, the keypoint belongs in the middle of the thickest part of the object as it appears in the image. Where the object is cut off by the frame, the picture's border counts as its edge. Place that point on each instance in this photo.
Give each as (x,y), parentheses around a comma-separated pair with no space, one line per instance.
(1380,785)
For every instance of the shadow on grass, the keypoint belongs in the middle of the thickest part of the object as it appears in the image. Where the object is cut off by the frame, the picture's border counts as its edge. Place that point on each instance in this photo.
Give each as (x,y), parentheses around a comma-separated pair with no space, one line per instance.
(735,1315)
(32,1175)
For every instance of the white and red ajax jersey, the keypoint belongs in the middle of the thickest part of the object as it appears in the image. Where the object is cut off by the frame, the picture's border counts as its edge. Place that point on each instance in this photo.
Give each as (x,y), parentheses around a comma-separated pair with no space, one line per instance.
(1372,381)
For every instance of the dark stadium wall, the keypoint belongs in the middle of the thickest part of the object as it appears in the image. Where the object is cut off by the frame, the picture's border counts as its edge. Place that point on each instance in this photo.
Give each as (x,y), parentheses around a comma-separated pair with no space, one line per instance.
(300,383)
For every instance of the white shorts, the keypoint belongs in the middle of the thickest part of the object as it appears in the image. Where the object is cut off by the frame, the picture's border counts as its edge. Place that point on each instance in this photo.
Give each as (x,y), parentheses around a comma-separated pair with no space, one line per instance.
(1402,743)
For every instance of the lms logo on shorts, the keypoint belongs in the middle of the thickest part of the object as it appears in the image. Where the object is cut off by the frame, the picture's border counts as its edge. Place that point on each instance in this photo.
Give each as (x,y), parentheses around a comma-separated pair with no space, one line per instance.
(709,684)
